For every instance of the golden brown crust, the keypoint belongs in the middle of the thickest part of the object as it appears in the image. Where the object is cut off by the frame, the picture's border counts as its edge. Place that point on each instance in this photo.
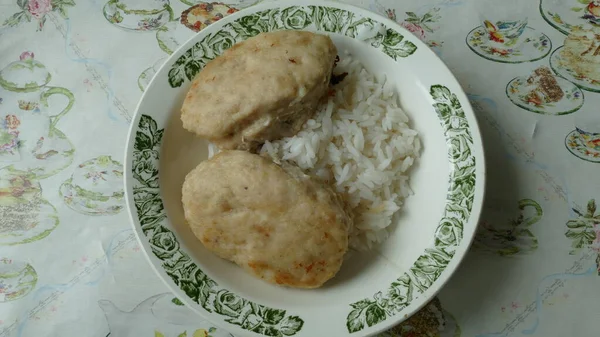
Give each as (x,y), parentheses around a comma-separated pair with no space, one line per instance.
(260,89)
(283,227)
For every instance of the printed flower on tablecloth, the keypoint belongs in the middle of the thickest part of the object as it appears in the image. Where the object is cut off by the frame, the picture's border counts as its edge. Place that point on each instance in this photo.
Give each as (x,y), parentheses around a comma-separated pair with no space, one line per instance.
(95,176)
(38,9)
(26,55)
(150,23)
(584,231)
(415,29)
(12,122)
(596,243)
(9,134)
(420,26)
(590,10)
(4,287)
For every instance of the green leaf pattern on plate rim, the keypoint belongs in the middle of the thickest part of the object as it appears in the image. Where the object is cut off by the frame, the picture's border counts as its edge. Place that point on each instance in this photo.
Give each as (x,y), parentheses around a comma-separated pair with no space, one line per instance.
(319,18)
(178,265)
(274,322)
(459,203)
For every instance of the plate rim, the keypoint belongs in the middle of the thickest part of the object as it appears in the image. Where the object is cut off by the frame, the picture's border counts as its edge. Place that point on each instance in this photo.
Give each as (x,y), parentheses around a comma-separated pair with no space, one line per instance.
(458,91)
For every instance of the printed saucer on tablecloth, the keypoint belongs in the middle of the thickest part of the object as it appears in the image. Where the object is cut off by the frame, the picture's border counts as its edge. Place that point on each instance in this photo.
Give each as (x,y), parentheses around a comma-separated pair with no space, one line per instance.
(579,149)
(17,279)
(192,20)
(565,15)
(94,188)
(85,202)
(557,64)
(535,47)
(49,155)
(26,216)
(200,16)
(27,222)
(517,92)
(145,15)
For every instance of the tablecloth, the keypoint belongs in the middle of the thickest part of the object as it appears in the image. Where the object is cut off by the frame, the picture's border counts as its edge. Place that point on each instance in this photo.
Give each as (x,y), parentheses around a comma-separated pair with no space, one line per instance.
(72,71)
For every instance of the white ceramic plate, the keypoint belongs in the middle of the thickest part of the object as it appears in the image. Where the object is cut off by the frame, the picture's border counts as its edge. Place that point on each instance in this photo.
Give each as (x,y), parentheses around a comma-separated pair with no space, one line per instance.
(374,291)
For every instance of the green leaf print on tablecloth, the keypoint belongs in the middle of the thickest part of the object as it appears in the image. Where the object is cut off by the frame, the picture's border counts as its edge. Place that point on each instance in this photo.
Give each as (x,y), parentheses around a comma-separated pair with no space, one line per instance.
(321,18)
(38,9)
(178,265)
(509,237)
(459,202)
(584,230)
(420,26)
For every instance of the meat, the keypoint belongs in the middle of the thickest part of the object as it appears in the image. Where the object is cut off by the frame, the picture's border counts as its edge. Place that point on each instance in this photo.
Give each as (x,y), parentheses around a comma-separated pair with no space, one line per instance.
(273,220)
(264,88)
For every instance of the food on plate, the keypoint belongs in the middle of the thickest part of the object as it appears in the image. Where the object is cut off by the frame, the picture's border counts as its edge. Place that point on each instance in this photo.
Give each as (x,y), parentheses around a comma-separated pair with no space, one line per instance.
(360,142)
(581,53)
(272,219)
(203,14)
(542,87)
(263,88)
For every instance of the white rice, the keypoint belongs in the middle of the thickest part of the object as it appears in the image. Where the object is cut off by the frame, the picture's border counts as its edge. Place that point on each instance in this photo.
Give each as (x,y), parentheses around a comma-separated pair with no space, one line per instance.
(359,141)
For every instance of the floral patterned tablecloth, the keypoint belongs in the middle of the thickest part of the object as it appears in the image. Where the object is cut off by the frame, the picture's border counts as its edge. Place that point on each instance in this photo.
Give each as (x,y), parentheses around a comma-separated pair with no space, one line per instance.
(72,71)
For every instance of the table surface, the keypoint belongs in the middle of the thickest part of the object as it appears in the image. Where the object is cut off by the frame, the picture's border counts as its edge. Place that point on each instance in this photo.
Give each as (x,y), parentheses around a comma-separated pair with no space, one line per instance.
(72,72)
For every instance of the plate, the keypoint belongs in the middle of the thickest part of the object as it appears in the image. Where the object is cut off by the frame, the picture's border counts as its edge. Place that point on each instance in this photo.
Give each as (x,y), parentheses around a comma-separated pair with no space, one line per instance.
(516,90)
(373,291)
(536,46)
(558,66)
